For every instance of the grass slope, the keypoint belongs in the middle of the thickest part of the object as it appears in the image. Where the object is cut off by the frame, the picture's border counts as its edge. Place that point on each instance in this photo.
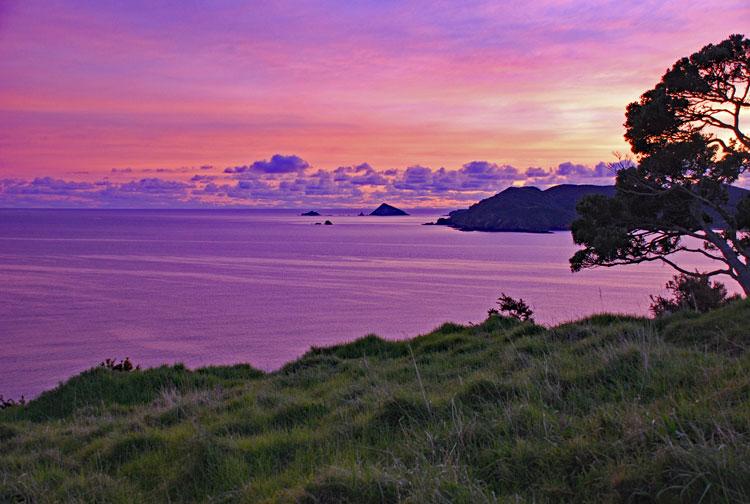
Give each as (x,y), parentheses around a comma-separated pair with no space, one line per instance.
(606,409)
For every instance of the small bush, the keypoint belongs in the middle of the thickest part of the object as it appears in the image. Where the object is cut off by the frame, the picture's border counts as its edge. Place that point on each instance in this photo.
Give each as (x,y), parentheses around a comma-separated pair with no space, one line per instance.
(123,365)
(11,403)
(514,308)
(689,292)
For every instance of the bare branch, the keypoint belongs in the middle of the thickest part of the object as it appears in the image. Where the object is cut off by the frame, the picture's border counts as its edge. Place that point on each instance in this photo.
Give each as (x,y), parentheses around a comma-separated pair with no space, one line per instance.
(702,252)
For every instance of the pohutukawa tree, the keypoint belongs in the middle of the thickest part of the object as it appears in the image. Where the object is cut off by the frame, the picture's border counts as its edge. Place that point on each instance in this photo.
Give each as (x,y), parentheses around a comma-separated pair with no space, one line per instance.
(690,146)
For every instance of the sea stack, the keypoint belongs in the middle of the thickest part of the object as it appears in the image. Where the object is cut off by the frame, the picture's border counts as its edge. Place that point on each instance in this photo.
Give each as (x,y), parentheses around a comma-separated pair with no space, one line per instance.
(387,210)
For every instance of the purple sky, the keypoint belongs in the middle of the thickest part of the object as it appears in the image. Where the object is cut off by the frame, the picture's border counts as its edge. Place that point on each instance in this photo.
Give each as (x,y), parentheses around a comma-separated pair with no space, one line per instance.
(188,103)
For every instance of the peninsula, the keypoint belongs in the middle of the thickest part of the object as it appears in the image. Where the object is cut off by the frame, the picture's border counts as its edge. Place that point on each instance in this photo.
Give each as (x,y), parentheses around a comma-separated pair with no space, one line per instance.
(533,210)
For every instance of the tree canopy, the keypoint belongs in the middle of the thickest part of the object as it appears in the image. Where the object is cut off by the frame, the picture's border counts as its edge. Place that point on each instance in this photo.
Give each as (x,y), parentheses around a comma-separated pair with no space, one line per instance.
(690,146)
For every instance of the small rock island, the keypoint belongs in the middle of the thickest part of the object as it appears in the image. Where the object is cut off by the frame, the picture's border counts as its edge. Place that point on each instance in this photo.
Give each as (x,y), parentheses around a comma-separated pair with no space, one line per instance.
(311,213)
(387,210)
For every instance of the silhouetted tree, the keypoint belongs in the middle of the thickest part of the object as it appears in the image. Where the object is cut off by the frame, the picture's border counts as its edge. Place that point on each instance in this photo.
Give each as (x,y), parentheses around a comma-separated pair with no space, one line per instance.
(687,135)
(696,293)
(514,308)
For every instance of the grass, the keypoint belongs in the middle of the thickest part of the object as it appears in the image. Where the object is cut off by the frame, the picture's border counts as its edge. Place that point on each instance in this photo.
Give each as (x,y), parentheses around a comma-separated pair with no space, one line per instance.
(606,409)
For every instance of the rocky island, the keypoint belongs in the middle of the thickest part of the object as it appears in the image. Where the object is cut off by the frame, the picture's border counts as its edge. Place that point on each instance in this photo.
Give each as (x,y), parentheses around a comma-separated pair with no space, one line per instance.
(387,210)
(311,213)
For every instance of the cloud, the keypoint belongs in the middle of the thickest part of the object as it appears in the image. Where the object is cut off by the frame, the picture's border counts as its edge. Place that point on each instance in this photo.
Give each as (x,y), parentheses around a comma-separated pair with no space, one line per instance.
(476,176)
(153,186)
(202,178)
(321,183)
(537,172)
(47,191)
(290,181)
(415,178)
(362,174)
(45,186)
(575,173)
(486,170)
(278,164)
(181,169)
(569,169)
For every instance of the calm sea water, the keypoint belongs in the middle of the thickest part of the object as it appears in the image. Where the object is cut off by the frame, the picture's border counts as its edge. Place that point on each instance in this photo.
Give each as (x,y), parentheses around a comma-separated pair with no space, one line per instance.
(219,287)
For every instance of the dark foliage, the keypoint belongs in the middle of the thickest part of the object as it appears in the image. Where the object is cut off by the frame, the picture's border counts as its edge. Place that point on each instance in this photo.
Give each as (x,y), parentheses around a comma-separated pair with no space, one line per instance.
(686,133)
(696,293)
(123,365)
(11,403)
(514,308)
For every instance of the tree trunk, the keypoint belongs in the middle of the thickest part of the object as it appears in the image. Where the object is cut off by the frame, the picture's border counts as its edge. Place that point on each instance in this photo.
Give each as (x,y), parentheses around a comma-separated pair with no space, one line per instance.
(732,259)
(743,278)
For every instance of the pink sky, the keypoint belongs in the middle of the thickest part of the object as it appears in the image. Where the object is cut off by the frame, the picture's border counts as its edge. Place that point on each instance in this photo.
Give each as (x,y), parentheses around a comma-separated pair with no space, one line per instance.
(88,87)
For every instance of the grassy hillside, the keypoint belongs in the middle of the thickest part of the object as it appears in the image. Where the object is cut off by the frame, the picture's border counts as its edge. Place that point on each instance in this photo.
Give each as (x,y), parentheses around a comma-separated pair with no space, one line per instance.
(608,408)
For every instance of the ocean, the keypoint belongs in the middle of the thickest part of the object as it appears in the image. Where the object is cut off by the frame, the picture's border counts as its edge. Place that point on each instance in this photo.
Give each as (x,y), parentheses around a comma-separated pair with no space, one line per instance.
(261,286)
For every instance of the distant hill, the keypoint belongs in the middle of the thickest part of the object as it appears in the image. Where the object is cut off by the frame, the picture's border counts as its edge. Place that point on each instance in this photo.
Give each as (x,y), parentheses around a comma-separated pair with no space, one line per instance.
(387,210)
(532,210)
(526,209)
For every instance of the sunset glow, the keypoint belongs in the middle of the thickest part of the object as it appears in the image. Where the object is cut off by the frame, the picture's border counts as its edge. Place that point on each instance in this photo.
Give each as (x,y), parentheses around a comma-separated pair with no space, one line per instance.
(98,95)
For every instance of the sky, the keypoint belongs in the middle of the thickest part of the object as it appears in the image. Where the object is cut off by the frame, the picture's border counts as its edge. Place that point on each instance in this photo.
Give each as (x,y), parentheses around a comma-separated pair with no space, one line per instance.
(325,103)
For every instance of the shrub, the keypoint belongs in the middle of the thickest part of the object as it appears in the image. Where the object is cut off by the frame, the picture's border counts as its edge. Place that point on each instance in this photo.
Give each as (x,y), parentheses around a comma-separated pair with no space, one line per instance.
(689,292)
(514,308)
(10,403)
(123,365)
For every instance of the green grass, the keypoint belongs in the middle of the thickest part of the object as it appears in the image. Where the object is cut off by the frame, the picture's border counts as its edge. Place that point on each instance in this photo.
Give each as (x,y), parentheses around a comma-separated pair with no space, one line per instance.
(607,409)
